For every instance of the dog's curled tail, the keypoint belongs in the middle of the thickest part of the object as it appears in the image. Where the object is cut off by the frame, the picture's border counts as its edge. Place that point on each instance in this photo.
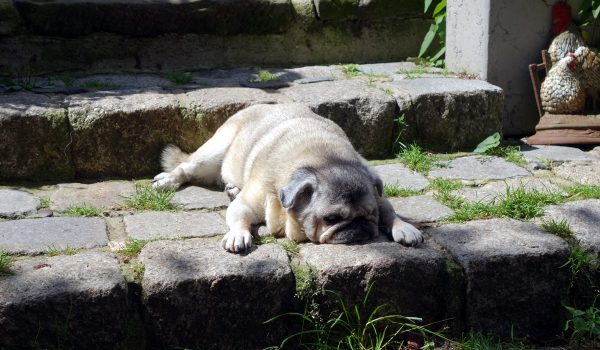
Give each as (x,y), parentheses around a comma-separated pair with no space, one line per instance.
(171,157)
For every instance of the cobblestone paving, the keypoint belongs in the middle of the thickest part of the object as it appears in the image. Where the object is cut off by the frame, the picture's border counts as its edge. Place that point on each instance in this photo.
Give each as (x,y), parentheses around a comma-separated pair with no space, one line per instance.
(37,225)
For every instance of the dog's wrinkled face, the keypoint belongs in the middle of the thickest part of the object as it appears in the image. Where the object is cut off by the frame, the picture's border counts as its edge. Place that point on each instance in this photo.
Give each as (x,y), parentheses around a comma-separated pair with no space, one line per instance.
(336,203)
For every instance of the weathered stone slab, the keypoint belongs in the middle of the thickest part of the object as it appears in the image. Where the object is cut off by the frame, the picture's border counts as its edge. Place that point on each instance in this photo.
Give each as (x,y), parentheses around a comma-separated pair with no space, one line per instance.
(479,168)
(36,236)
(367,9)
(58,302)
(193,197)
(583,218)
(17,203)
(555,153)
(366,114)
(493,192)
(34,139)
(121,81)
(502,294)
(409,280)
(70,18)
(174,225)
(388,69)
(197,295)
(421,209)
(582,172)
(399,175)
(105,195)
(448,114)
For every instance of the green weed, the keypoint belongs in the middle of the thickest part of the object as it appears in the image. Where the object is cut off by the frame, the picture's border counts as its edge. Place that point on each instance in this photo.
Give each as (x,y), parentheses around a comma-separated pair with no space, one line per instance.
(84,210)
(178,77)
(416,159)
(265,240)
(305,281)
(397,191)
(480,341)
(358,326)
(5,262)
(580,191)
(264,76)
(148,198)
(351,70)
(580,263)
(402,126)
(583,326)
(291,246)
(138,271)
(509,153)
(133,247)
(67,251)
(44,203)
(560,228)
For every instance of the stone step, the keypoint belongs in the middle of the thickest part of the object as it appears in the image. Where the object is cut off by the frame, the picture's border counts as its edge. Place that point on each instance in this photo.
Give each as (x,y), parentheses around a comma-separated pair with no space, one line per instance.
(161,35)
(120,124)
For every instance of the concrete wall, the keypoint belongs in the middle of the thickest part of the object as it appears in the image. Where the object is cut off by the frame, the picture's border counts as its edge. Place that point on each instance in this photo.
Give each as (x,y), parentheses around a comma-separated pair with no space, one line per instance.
(497,40)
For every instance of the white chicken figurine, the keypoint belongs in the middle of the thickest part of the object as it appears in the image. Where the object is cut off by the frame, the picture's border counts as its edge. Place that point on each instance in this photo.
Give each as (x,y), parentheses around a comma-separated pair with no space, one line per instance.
(562,92)
(587,70)
(567,37)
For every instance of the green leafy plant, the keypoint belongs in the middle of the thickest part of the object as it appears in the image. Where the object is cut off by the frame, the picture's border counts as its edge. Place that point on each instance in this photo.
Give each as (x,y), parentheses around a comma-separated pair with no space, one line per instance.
(265,240)
(148,198)
(436,30)
(291,246)
(5,261)
(358,326)
(580,191)
(584,325)
(491,146)
(134,246)
(489,143)
(402,126)
(44,203)
(178,77)
(580,263)
(83,210)
(480,341)
(588,11)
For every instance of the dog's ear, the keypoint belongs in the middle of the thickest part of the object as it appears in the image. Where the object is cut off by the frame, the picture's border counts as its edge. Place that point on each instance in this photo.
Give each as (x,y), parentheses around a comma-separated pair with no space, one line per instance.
(377,183)
(299,189)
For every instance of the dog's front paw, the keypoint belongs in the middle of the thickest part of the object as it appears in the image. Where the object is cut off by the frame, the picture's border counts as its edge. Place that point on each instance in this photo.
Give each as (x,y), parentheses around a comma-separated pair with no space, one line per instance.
(165,181)
(406,234)
(237,241)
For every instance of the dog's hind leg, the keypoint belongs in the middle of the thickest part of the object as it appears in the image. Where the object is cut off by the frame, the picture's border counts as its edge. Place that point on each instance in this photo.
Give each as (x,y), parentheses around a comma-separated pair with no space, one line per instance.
(202,166)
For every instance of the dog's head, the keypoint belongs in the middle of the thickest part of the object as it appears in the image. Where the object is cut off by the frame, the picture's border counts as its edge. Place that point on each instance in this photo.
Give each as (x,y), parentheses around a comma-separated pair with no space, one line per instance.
(334,203)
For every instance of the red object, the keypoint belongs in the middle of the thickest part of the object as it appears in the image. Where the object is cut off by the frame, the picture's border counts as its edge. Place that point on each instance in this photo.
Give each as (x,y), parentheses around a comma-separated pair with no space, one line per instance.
(561,17)
(40,266)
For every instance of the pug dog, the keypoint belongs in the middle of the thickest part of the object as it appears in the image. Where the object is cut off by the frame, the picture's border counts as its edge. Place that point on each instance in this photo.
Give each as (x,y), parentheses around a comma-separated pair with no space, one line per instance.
(285,166)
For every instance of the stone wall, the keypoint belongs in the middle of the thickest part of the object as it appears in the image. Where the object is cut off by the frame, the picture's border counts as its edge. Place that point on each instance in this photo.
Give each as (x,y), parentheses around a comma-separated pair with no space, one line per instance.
(130,35)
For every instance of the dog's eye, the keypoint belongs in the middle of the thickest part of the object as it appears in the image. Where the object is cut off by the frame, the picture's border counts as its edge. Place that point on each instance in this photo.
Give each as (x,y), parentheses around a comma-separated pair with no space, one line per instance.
(332,219)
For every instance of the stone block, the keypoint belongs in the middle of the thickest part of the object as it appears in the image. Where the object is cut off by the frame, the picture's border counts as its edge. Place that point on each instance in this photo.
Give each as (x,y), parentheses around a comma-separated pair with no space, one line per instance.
(68,302)
(514,280)
(399,175)
(583,218)
(478,168)
(367,9)
(69,18)
(193,197)
(583,172)
(197,295)
(153,225)
(37,236)
(366,114)
(555,154)
(411,281)
(17,203)
(420,209)
(103,195)
(448,114)
(34,138)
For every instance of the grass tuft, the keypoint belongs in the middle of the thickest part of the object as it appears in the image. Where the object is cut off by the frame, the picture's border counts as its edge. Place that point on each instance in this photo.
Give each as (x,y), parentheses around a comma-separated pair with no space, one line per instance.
(148,198)
(84,210)
(291,246)
(397,191)
(264,76)
(580,191)
(5,262)
(55,252)
(44,203)
(265,240)
(138,271)
(580,263)
(560,228)
(351,70)
(133,247)
(416,159)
